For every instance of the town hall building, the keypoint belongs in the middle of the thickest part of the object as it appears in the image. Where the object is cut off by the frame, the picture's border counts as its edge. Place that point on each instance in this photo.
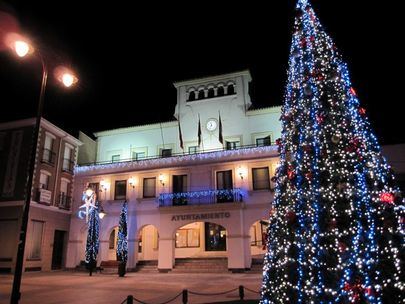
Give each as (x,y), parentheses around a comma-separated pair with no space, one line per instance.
(198,187)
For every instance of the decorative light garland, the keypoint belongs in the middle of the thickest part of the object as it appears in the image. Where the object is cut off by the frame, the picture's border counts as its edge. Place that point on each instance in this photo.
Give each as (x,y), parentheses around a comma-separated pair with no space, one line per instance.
(223,193)
(178,160)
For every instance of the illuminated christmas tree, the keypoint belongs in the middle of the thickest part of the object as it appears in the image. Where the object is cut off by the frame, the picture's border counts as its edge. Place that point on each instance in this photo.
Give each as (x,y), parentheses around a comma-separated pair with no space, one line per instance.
(122,246)
(92,243)
(337,233)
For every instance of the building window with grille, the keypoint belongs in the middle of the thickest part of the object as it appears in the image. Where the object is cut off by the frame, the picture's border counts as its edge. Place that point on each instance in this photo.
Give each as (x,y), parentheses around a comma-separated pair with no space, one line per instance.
(68,164)
(138,155)
(188,238)
(261,179)
(36,240)
(44,180)
(193,150)
(231,145)
(224,182)
(179,186)
(120,192)
(149,187)
(48,154)
(265,141)
(166,152)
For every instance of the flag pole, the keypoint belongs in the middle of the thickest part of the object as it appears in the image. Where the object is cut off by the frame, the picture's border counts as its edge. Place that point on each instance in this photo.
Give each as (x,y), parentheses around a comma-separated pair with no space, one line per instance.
(200,139)
(220,137)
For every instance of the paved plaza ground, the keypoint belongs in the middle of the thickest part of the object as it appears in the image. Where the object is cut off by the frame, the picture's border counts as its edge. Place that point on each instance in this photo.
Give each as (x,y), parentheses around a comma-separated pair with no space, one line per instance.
(154,288)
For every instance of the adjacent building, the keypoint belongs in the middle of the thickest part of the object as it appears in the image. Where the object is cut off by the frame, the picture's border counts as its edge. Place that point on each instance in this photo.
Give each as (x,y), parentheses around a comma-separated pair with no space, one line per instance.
(51,204)
(198,187)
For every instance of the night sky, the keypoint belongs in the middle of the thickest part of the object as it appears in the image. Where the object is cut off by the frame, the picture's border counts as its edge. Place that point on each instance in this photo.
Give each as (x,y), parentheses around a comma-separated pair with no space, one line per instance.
(127,56)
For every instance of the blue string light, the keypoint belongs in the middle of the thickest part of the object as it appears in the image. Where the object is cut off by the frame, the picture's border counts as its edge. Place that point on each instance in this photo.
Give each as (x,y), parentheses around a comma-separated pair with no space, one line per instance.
(122,242)
(337,233)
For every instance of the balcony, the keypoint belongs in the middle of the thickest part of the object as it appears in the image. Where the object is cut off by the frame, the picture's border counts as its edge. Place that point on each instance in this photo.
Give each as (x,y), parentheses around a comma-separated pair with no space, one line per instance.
(48,157)
(202,197)
(64,201)
(68,165)
(179,159)
(44,196)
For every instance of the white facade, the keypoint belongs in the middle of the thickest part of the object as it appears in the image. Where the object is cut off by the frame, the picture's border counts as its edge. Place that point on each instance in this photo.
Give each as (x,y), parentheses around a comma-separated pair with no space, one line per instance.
(238,123)
(225,189)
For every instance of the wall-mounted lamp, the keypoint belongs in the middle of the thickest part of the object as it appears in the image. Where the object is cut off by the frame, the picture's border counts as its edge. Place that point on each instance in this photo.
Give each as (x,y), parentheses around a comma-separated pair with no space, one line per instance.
(162,179)
(89,192)
(101,213)
(241,172)
(104,185)
(131,182)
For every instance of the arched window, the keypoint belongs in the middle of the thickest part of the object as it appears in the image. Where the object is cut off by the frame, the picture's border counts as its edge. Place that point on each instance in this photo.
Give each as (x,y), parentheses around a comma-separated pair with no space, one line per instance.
(201,94)
(231,89)
(211,93)
(221,91)
(191,96)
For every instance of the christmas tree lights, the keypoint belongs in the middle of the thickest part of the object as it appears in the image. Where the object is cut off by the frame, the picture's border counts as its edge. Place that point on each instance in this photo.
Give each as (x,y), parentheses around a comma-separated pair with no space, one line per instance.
(92,243)
(337,235)
(122,243)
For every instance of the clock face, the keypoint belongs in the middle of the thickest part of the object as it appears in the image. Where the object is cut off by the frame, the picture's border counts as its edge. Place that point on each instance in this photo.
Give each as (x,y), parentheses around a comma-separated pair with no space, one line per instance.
(211,124)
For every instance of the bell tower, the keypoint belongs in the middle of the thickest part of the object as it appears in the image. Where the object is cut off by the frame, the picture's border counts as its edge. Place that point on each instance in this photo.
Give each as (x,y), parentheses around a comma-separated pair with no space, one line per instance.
(205,99)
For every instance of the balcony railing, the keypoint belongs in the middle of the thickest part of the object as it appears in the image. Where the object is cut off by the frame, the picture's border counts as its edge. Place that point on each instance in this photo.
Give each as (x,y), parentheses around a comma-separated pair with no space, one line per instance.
(43,196)
(201,197)
(68,165)
(174,155)
(64,201)
(48,157)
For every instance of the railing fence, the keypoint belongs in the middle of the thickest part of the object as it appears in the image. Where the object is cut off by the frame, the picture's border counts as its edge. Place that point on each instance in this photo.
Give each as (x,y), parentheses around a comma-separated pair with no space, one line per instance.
(185,293)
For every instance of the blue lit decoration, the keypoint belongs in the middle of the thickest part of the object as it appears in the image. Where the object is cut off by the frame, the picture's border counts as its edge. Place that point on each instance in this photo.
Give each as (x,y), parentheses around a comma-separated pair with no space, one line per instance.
(221,193)
(122,246)
(337,235)
(92,243)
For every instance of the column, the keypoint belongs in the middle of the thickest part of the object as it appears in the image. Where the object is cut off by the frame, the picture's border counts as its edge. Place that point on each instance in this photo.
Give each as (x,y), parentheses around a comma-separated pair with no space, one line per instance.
(103,251)
(239,257)
(166,254)
(132,254)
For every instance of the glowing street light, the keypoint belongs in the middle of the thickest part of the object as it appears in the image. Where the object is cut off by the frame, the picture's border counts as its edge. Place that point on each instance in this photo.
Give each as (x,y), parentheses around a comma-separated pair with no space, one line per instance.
(65,76)
(67,79)
(21,47)
(101,213)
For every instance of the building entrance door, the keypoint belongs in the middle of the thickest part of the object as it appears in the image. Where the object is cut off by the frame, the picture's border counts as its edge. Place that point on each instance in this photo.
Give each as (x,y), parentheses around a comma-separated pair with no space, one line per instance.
(58,248)
(215,237)
(224,182)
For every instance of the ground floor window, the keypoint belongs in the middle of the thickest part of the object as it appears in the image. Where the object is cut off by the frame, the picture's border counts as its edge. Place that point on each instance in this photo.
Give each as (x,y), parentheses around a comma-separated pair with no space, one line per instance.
(36,240)
(187,238)
(215,237)
(8,228)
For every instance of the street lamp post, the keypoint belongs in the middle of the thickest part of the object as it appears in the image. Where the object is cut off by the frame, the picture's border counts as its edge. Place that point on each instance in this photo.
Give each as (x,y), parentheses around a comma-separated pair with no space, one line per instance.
(22,48)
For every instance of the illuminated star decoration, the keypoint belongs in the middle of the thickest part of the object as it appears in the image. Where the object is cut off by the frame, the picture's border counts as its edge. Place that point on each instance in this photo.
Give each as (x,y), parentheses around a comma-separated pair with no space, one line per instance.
(89,202)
